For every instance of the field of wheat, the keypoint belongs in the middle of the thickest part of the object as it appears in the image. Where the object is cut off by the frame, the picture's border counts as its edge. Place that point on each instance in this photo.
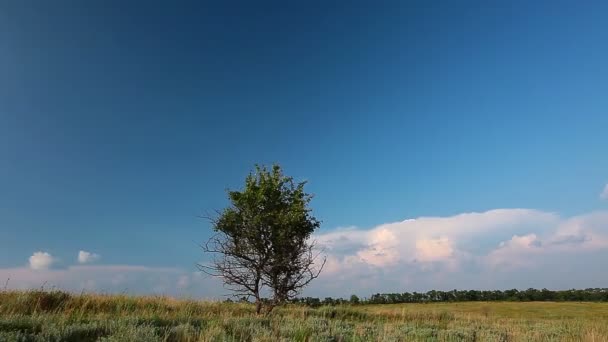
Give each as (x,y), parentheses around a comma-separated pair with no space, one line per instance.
(59,316)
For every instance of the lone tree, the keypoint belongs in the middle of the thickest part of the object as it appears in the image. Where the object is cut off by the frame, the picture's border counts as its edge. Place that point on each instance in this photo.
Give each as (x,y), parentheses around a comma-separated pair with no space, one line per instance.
(263,240)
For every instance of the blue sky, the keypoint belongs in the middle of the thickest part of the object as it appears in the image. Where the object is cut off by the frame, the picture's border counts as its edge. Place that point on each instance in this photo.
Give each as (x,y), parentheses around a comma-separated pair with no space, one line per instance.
(120,123)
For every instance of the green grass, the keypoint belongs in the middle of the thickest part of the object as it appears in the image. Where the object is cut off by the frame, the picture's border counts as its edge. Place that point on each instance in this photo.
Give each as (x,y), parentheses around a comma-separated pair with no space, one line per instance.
(58,316)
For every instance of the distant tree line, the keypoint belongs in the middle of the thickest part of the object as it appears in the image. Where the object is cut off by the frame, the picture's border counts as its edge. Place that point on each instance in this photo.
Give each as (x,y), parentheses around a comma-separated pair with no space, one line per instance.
(514,295)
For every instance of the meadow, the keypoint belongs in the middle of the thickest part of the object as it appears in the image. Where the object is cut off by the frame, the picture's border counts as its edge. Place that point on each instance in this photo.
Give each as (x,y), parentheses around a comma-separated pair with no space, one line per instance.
(60,316)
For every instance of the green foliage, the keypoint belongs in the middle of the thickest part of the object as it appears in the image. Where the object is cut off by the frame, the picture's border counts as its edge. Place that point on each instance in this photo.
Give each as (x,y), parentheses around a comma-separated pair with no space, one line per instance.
(263,238)
(271,206)
(433,296)
(529,295)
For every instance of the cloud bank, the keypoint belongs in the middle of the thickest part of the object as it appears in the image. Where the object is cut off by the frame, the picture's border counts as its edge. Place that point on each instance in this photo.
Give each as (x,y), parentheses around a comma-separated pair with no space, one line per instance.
(500,248)
(131,279)
(496,249)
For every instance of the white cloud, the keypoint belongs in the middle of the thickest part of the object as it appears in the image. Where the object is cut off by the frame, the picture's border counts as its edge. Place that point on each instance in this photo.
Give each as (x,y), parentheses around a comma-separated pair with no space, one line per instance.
(503,248)
(434,249)
(496,248)
(85,257)
(604,194)
(134,279)
(430,239)
(514,253)
(131,279)
(41,261)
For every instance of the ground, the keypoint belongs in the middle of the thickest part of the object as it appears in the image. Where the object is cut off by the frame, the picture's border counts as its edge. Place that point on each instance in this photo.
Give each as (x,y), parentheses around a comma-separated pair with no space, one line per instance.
(57,316)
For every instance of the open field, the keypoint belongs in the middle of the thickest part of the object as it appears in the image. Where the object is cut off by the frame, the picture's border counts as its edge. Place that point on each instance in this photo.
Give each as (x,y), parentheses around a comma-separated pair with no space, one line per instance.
(56,316)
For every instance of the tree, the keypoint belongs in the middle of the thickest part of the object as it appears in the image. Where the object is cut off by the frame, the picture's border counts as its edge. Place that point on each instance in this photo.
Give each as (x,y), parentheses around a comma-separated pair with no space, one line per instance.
(263,239)
(354,300)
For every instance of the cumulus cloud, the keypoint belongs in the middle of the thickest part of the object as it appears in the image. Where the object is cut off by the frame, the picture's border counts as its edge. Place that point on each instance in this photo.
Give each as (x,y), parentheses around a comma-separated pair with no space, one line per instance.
(502,248)
(604,194)
(497,248)
(85,257)
(434,249)
(41,261)
(515,252)
(431,239)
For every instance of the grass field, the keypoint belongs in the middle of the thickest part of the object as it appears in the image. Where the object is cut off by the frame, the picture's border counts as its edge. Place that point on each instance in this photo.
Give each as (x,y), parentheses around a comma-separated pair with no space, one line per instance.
(57,316)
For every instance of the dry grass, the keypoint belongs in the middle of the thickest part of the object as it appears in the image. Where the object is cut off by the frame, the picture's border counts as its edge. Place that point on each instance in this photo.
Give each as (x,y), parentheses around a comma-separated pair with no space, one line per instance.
(59,316)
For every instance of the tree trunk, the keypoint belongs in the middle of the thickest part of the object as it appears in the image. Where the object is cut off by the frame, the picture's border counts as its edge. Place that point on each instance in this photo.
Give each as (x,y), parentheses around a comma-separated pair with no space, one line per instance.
(258,306)
(271,306)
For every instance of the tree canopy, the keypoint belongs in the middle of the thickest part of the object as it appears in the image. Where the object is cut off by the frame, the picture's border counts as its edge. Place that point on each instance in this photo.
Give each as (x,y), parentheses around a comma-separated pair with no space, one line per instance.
(263,239)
